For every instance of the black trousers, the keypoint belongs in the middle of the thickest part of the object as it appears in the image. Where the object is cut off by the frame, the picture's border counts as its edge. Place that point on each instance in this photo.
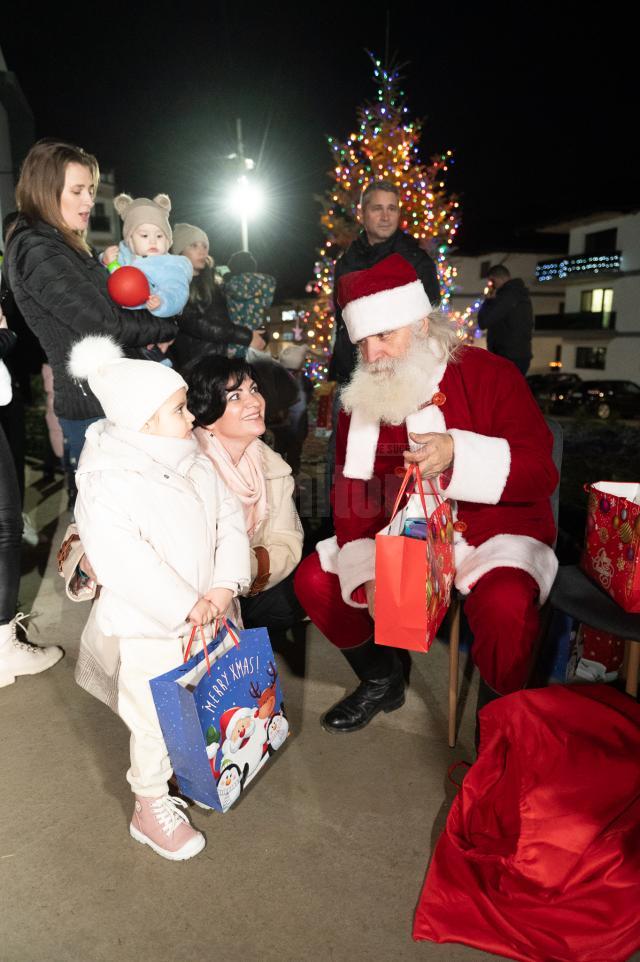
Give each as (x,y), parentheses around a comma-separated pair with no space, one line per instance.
(10,533)
(12,419)
(276,608)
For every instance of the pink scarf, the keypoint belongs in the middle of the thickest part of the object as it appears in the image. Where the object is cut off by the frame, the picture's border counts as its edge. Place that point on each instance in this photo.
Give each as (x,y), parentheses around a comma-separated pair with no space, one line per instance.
(245,479)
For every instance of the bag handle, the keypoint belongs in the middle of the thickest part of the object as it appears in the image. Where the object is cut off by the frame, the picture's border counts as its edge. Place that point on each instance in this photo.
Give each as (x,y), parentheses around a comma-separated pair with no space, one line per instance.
(413,471)
(231,631)
(204,645)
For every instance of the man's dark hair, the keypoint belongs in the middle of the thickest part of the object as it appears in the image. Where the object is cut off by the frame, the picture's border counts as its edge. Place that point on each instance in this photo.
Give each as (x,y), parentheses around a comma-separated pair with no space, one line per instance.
(209,378)
(378,185)
(242,262)
(499,271)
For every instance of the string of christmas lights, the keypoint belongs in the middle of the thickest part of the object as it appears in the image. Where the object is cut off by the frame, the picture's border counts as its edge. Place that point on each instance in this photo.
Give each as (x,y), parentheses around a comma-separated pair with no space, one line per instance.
(384,146)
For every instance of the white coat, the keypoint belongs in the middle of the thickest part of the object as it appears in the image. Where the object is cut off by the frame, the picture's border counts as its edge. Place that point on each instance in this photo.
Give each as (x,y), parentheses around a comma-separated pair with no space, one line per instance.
(158,537)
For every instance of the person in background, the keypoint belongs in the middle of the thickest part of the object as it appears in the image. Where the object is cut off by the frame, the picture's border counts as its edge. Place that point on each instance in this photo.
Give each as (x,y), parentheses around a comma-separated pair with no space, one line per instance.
(205,327)
(379,212)
(17,655)
(249,294)
(290,439)
(507,316)
(25,360)
(61,287)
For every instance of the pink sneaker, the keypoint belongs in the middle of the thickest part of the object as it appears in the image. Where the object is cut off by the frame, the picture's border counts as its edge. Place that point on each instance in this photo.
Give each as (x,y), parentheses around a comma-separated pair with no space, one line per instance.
(159,823)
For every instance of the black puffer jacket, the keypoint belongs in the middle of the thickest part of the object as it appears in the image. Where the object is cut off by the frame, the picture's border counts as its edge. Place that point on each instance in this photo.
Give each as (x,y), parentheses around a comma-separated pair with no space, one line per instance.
(207,330)
(508,320)
(63,297)
(358,257)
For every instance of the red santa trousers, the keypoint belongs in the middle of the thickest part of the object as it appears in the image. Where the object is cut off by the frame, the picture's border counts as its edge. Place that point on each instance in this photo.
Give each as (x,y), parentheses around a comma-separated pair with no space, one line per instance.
(501,611)
(540,856)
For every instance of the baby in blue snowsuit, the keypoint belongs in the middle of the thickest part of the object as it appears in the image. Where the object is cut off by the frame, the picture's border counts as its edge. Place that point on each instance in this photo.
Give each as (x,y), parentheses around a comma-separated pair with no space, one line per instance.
(147,239)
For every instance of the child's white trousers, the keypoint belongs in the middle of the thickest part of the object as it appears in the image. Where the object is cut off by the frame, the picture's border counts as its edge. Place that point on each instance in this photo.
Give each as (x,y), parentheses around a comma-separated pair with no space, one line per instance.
(140,660)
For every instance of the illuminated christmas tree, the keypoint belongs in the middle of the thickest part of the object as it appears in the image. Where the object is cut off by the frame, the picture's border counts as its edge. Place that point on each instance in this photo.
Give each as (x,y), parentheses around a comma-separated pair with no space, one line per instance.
(384,146)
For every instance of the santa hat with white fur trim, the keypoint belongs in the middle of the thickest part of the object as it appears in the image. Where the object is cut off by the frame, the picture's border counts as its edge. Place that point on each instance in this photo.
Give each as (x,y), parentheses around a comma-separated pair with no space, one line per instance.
(382,298)
(130,391)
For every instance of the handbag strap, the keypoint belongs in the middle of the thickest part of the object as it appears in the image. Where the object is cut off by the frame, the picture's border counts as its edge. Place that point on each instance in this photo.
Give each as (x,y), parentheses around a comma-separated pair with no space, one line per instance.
(413,471)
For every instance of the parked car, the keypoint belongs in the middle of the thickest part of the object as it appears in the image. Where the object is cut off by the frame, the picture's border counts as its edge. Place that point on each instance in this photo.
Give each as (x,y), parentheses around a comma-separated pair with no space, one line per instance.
(551,391)
(603,399)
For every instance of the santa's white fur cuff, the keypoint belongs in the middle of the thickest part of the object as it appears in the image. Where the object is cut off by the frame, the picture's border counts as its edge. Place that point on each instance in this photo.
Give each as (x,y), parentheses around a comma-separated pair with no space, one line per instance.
(506,551)
(356,564)
(480,467)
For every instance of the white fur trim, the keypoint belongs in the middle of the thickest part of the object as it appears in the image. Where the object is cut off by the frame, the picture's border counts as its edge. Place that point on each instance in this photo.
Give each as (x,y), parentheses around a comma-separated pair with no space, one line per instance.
(328,551)
(362,443)
(386,310)
(481,467)
(506,551)
(356,564)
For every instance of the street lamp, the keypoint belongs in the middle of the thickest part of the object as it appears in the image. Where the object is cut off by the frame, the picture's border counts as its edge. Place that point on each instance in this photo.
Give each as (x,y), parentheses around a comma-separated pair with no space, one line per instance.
(246,200)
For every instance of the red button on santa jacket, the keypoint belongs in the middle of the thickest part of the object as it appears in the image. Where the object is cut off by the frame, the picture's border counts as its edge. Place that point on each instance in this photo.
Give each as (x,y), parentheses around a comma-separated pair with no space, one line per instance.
(502,476)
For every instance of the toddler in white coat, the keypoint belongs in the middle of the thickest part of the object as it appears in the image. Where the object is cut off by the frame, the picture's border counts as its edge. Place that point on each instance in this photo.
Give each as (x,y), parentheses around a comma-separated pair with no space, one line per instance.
(168,544)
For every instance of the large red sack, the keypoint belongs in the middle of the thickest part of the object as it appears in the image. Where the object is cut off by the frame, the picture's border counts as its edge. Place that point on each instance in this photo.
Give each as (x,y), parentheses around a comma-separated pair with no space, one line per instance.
(540,857)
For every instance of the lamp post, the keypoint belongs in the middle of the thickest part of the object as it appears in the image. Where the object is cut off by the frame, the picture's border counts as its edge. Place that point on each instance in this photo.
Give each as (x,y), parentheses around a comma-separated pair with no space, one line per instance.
(246,197)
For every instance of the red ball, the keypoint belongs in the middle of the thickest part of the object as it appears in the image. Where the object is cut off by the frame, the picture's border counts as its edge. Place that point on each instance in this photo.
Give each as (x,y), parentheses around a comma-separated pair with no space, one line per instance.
(128,287)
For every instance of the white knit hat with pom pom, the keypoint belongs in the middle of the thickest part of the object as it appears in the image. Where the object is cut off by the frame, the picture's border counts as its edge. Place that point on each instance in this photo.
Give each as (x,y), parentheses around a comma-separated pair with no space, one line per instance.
(130,391)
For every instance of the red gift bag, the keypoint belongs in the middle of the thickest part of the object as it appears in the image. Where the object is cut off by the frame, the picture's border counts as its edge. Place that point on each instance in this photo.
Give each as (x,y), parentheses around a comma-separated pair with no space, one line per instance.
(540,857)
(612,541)
(414,576)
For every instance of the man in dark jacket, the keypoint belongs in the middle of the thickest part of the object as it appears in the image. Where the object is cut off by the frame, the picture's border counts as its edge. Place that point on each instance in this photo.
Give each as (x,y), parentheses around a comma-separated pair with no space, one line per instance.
(507,317)
(381,236)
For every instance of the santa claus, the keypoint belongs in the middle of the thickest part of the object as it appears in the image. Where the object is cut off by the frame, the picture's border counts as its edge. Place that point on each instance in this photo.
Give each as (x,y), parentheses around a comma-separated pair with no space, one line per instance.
(469,420)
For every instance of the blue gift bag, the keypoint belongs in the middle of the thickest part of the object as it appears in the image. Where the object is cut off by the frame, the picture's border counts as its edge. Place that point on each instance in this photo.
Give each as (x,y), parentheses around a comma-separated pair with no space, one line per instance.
(222,715)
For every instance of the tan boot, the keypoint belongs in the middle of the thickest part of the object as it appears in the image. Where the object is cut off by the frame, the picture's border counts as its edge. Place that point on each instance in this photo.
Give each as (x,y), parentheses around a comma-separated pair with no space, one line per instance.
(159,823)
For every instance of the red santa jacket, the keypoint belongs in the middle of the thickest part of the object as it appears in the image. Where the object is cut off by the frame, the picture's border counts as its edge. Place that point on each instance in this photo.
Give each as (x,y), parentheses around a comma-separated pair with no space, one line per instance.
(502,479)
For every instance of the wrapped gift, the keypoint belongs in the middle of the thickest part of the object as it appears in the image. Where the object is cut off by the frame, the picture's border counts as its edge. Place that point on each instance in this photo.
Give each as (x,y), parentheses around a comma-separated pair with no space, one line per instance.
(612,541)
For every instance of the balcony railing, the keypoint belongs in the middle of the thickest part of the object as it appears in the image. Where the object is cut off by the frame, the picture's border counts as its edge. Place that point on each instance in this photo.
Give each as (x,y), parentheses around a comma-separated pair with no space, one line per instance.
(577,265)
(580,321)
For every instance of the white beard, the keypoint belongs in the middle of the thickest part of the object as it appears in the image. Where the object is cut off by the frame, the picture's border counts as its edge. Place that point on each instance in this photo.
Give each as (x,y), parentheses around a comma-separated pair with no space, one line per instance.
(391,389)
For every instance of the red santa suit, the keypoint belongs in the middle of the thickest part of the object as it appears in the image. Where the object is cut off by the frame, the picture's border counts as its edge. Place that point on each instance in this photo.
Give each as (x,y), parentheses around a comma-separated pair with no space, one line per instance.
(501,482)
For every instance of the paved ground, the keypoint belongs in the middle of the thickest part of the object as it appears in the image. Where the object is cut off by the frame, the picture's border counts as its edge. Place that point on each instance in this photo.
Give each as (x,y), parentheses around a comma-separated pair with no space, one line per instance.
(323,860)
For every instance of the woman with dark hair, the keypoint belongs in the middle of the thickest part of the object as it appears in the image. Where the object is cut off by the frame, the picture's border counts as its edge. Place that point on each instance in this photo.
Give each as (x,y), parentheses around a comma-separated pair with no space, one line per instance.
(59,285)
(205,326)
(229,412)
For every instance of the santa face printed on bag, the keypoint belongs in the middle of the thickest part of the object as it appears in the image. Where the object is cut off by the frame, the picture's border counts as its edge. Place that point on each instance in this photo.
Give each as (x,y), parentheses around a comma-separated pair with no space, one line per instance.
(244,741)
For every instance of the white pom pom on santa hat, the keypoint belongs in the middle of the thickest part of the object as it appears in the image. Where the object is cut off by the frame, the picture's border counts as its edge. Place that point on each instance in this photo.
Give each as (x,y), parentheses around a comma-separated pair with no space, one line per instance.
(92,353)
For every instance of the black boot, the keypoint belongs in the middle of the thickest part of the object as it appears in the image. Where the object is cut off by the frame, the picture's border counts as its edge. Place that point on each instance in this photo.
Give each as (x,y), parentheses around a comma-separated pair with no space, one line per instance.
(381,688)
(486,694)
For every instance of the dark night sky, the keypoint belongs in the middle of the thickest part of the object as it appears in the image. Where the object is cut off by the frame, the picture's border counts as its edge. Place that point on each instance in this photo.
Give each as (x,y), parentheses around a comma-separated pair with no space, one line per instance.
(534,100)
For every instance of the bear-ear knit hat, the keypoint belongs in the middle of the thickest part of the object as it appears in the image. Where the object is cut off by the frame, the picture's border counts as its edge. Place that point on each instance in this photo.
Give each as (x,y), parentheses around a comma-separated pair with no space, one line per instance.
(382,298)
(185,234)
(130,391)
(134,213)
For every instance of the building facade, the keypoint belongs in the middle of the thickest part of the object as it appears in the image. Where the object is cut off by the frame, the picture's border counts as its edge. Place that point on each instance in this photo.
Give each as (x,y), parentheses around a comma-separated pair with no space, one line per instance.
(597,332)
